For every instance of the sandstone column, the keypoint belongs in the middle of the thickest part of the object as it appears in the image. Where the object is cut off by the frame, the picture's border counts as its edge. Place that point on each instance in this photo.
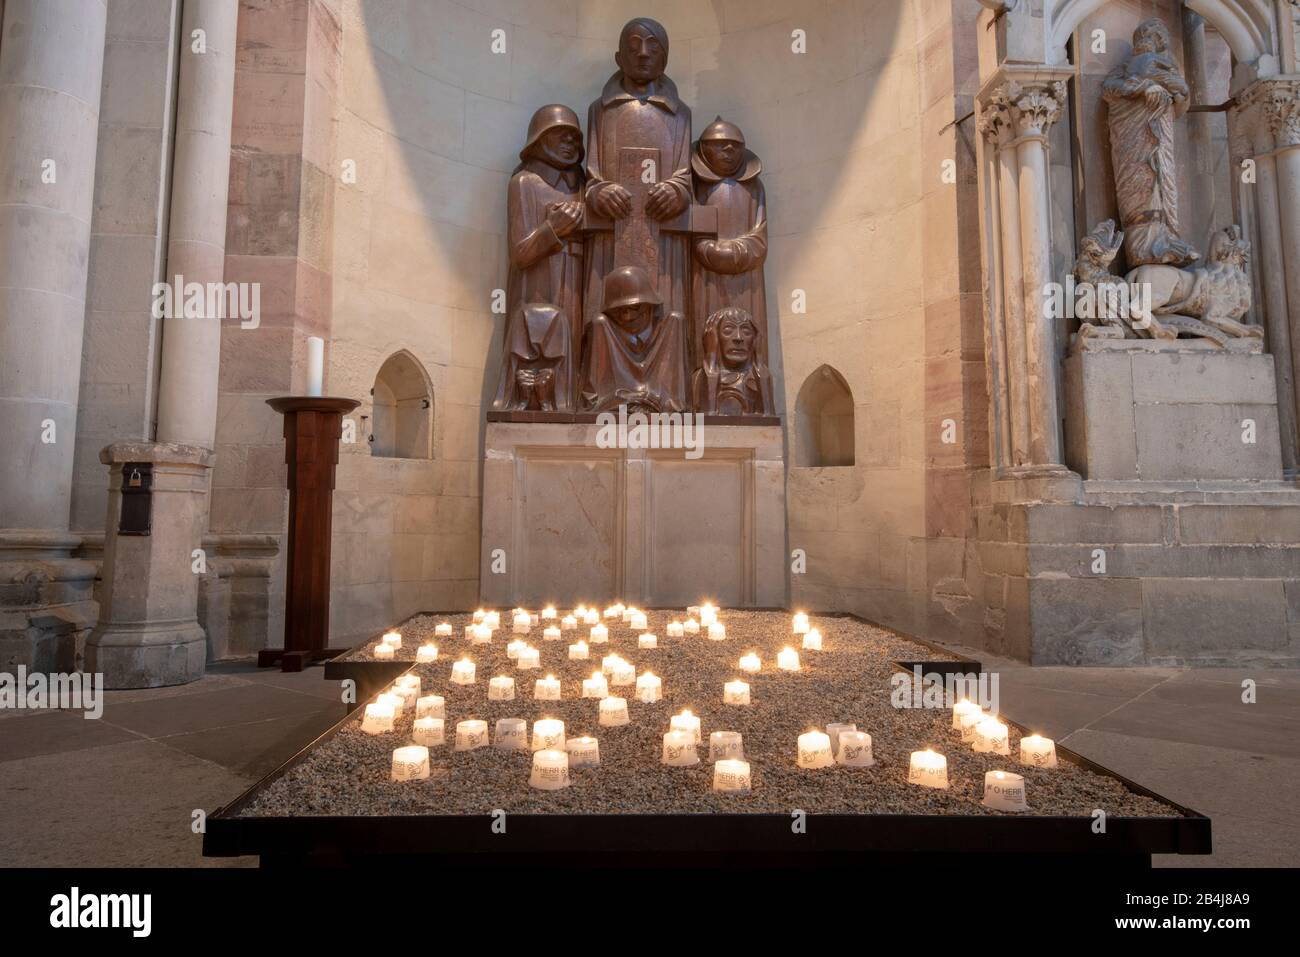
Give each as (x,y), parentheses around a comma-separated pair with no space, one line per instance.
(51,65)
(1282,109)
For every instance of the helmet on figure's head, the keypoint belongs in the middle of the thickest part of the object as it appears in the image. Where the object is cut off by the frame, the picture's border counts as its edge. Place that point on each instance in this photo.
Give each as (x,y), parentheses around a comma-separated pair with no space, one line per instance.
(548,118)
(629,286)
(720,129)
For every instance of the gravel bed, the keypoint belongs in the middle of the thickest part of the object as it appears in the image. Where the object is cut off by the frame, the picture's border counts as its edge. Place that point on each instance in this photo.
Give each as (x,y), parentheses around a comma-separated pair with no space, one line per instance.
(849,682)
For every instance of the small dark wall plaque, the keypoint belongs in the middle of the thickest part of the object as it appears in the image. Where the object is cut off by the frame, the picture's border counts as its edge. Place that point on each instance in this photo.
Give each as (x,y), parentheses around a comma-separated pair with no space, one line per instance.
(137,499)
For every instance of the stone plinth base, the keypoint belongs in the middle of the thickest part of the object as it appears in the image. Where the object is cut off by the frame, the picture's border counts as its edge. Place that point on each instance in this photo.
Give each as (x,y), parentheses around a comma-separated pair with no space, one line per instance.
(1185,410)
(148,633)
(46,602)
(566,520)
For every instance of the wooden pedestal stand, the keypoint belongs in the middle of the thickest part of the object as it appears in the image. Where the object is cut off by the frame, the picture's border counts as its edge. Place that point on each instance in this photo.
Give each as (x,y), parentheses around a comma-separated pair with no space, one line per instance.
(312,427)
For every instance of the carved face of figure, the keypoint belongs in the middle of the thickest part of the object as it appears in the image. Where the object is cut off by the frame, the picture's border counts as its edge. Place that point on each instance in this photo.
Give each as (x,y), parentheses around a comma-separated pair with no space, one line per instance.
(560,147)
(634,319)
(641,56)
(723,156)
(1152,36)
(736,338)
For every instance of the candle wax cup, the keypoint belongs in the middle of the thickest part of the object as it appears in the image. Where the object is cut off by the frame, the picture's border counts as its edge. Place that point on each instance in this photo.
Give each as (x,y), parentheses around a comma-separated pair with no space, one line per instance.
(1037,751)
(384,653)
(725,744)
(426,654)
(815,750)
(410,763)
(647,641)
(855,750)
(471,734)
(512,734)
(583,752)
(613,712)
(1004,791)
(928,769)
(547,733)
(378,719)
(731,775)
(431,706)
(550,770)
(679,749)
(429,731)
(833,732)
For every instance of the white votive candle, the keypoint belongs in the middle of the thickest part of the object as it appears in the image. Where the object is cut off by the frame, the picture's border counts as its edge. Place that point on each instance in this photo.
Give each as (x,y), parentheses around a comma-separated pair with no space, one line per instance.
(394,701)
(429,731)
(961,708)
(469,629)
(717,631)
(613,712)
(528,659)
(750,663)
(596,686)
(550,770)
(675,629)
(501,688)
(610,662)
(385,652)
(522,623)
(550,633)
(592,617)
(735,692)
(928,769)
(708,614)
(1004,791)
(647,641)
(800,623)
(691,627)
(410,762)
(992,737)
(442,629)
(731,774)
(813,640)
(479,615)
(547,689)
(970,720)
(393,638)
(1038,751)
(583,752)
(406,693)
(628,612)
(639,622)
(787,659)
(493,620)
(580,611)
(471,734)
(815,750)
(578,651)
(854,750)
(431,706)
(462,672)
(833,732)
(624,674)
(548,613)
(482,635)
(679,749)
(726,744)
(513,647)
(548,733)
(378,718)
(426,654)
(687,722)
(599,634)
(512,734)
(649,688)
(615,611)
(408,681)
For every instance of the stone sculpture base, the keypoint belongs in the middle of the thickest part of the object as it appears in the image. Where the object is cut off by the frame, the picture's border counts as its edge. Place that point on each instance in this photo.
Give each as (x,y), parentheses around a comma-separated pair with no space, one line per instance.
(1183,410)
(566,521)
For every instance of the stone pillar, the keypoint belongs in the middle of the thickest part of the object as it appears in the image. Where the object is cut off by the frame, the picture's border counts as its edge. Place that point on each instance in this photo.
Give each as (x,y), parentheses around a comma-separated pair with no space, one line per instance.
(196,243)
(51,65)
(1282,111)
(148,633)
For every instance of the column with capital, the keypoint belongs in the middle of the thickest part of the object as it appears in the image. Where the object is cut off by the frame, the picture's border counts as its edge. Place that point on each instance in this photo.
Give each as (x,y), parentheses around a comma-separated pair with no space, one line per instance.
(1282,112)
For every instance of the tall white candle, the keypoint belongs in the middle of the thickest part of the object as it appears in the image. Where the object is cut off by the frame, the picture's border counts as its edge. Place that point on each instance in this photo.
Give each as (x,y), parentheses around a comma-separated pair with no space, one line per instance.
(462,672)
(675,629)
(735,692)
(426,654)
(428,731)
(800,623)
(928,769)
(547,689)
(649,688)
(596,686)
(1004,791)
(726,744)
(471,734)
(750,663)
(613,712)
(315,365)
(512,734)
(431,706)
(815,750)
(501,688)
(813,640)
(787,659)
(548,733)
(679,749)
(550,769)
(378,718)
(1038,751)
(578,651)
(687,722)
(854,750)
(584,752)
(410,763)
(731,774)
(992,737)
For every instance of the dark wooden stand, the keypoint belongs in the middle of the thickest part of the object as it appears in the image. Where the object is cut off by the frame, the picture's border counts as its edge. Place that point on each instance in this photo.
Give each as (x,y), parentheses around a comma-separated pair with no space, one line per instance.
(312,427)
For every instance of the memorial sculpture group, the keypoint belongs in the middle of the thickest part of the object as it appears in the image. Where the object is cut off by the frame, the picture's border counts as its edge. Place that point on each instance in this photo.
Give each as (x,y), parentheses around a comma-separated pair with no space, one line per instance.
(636,263)
(1183,294)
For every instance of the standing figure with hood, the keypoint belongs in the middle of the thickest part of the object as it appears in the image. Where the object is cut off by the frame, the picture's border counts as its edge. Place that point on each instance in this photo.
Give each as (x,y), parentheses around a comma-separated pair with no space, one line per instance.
(729,269)
(543,337)
(639,108)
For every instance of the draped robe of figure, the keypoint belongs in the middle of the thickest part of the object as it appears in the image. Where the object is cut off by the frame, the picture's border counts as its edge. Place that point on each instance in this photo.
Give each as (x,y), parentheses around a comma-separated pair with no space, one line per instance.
(1142,156)
(545,271)
(659,121)
(742,218)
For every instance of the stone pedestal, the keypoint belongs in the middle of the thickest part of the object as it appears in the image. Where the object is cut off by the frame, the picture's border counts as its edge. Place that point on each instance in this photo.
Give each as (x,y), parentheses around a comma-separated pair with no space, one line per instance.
(148,633)
(566,520)
(1143,409)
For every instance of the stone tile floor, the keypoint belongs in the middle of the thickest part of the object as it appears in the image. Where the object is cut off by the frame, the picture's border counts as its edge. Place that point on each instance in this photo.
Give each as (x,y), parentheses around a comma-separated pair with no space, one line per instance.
(120,791)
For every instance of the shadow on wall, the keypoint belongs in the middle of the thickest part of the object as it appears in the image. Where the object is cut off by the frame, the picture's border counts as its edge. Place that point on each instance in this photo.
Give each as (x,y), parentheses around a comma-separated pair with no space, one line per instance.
(799,110)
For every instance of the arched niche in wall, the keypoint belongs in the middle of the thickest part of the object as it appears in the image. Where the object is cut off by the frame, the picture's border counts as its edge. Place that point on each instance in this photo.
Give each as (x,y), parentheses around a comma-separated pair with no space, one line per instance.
(824,421)
(403,410)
